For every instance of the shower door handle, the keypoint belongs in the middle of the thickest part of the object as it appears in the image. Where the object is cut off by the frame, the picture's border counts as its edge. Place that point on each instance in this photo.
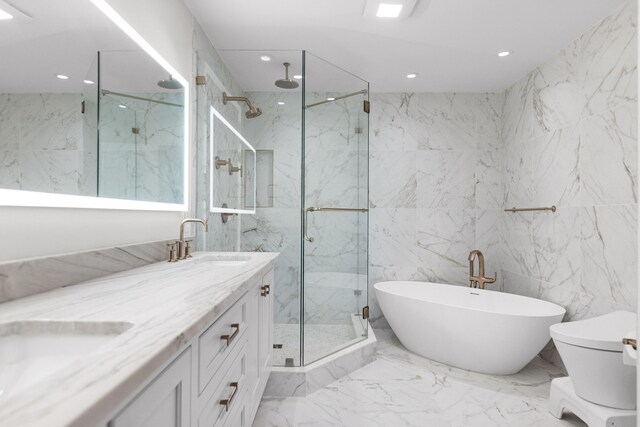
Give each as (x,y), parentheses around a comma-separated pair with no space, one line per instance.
(314,209)
(306,221)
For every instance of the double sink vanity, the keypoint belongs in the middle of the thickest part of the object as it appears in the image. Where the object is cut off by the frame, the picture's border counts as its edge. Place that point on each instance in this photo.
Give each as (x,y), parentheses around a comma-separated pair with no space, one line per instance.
(167,344)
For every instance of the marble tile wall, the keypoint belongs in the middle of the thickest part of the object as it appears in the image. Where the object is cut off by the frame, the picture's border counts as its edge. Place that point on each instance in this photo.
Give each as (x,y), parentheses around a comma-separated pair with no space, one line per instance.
(570,139)
(146,165)
(435,187)
(41,142)
(335,176)
(207,63)
(47,144)
(278,228)
(435,190)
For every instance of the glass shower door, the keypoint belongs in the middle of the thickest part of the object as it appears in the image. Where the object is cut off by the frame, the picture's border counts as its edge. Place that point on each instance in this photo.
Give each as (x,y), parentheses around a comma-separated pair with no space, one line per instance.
(335,213)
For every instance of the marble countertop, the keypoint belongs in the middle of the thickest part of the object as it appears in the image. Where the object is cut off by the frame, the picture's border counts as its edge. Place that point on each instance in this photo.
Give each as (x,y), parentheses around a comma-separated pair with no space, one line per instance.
(167,303)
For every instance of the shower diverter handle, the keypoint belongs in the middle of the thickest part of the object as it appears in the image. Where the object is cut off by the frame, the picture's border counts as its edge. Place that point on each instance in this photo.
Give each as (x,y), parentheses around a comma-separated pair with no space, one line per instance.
(314,209)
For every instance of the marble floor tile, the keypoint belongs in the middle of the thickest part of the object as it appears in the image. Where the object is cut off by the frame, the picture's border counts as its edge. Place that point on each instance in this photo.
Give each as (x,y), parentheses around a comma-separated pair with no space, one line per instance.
(403,389)
(320,339)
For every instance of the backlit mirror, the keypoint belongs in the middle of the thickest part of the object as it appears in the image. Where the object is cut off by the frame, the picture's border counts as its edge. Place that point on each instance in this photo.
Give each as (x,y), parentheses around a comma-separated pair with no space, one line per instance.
(90,115)
(233,165)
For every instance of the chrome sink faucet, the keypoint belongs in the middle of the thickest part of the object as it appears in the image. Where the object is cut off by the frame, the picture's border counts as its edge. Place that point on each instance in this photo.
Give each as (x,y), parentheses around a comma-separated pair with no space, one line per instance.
(183,246)
(479,280)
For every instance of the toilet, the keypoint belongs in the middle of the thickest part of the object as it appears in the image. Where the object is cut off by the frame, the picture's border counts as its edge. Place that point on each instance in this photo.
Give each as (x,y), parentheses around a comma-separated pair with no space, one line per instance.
(592,352)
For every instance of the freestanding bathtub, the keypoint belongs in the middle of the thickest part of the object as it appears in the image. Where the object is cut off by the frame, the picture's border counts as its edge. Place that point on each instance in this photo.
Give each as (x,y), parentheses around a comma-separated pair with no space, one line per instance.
(479,330)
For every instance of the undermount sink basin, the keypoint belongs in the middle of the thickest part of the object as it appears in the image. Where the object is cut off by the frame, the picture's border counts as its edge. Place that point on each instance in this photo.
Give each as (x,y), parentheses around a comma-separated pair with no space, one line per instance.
(30,351)
(223,260)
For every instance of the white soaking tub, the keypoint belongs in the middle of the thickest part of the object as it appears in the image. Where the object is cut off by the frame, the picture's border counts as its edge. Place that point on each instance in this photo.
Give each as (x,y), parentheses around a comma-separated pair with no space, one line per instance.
(476,329)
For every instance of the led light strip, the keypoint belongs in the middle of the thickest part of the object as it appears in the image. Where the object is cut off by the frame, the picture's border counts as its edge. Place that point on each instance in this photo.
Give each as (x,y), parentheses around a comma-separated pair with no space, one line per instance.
(214,113)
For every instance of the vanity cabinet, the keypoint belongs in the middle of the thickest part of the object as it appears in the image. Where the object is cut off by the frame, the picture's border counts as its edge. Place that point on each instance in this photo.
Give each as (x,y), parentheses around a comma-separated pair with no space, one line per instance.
(219,378)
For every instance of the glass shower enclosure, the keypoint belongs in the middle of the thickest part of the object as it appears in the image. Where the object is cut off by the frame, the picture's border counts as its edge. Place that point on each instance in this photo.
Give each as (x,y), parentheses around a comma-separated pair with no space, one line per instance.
(335,156)
(312,151)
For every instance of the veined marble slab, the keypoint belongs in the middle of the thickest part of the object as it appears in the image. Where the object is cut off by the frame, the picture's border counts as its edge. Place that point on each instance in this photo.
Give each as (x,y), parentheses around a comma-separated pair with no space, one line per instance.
(31,276)
(167,303)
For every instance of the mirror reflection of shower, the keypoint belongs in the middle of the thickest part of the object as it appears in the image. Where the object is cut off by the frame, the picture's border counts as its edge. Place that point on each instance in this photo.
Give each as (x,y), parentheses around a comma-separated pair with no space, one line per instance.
(137,145)
(170,83)
(140,98)
(253,111)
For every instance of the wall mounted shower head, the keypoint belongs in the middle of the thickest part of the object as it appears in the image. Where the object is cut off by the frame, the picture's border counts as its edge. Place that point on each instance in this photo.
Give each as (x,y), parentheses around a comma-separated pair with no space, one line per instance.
(253,111)
(169,83)
(287,83)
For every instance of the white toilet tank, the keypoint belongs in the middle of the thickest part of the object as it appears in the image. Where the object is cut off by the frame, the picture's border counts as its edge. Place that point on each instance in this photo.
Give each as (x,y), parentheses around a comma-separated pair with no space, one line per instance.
(591,350)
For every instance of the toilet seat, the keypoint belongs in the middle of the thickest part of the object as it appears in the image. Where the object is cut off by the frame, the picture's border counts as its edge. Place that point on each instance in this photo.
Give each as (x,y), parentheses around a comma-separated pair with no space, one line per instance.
(600,333)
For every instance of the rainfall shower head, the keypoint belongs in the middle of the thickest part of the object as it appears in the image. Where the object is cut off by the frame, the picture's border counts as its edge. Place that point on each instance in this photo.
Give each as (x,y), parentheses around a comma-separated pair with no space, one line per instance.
(253,111)
(169,83)
(287,83)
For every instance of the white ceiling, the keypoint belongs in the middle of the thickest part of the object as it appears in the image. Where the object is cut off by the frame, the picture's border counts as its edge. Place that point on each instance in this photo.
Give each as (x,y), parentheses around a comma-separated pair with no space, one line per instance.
(64,37)
(451,44)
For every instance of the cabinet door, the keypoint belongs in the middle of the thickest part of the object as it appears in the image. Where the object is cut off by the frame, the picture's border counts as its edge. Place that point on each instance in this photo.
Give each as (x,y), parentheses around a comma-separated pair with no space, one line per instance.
(163,403)
(265,313)
(261,342)
(253,346)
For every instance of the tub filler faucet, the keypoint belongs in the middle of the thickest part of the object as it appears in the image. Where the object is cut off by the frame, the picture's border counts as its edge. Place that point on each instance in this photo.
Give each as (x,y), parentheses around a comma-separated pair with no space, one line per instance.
(479,280)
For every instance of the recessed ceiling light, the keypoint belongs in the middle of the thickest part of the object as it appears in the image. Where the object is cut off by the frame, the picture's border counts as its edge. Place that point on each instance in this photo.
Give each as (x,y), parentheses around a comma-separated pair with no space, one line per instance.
(412,75)
(331,98)
(386,10)
(122,106)
(394,9)
(280,103)
(62,76)
(297,76)
(88,82)
(504,53)
(265,58)
(5,15)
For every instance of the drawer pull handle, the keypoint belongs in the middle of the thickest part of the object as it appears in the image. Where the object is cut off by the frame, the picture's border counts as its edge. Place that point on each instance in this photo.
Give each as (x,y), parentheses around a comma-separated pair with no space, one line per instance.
(227,402)
(265,290)
(229,338)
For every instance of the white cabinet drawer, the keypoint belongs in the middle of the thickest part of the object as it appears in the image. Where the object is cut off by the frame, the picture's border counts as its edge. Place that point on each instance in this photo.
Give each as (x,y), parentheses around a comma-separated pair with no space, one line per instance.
(230,391)
(220,340)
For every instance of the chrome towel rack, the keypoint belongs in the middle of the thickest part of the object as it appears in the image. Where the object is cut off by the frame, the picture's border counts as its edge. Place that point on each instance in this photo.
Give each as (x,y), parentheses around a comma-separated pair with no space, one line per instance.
(550,208)
(314,209)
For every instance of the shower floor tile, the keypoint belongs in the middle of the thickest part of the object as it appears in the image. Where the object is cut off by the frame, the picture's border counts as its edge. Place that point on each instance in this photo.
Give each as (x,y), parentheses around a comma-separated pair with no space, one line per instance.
(403,389)
(321,340)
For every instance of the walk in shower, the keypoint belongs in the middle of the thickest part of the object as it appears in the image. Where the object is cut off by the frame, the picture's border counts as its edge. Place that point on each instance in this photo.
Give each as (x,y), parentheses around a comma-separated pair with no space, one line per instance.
(311,205)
